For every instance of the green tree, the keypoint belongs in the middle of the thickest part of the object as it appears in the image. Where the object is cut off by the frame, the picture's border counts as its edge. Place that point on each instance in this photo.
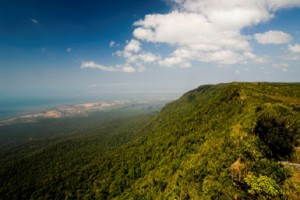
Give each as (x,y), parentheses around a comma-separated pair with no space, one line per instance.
(274,131)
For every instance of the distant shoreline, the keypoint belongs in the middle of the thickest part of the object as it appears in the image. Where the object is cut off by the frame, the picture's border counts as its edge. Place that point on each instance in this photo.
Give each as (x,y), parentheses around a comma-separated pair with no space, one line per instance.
(64,111)
(80,109)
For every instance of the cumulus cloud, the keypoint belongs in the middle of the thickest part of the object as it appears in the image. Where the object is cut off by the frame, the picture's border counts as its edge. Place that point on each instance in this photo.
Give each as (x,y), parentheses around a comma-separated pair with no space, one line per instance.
(273,37)
(145,57)
(228,13)
(261,8)
(148,57)
(135,56)
(133,46)
(179,58)
(205,31)
(192,32)
(210,30)
(188,29)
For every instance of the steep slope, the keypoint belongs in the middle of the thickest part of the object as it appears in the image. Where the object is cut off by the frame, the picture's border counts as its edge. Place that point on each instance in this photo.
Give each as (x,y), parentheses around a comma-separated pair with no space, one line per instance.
(191,147)
(220,141)
(195,144)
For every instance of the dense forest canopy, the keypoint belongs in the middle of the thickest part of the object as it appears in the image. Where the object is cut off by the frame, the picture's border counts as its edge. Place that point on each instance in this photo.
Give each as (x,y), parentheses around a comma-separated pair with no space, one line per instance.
(225,141)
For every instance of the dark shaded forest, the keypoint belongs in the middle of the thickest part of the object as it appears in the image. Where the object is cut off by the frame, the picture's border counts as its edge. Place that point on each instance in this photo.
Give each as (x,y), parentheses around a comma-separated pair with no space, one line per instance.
(225,141)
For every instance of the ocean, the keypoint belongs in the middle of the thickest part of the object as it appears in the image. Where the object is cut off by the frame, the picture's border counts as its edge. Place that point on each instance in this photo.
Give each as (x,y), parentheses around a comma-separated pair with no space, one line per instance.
(16,107)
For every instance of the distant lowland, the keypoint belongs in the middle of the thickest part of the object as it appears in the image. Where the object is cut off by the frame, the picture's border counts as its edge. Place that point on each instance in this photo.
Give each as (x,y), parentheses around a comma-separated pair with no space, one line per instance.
(75,110)
(11,106)
(64,111)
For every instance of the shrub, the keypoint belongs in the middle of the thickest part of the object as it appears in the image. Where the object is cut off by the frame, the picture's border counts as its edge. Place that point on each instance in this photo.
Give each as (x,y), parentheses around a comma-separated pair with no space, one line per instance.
(262,187)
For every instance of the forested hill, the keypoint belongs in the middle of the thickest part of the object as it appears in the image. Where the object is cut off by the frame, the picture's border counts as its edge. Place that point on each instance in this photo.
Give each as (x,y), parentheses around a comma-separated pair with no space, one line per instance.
(224,141)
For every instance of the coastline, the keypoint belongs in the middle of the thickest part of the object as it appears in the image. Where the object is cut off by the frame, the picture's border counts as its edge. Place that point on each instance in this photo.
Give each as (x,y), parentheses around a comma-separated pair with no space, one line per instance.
(64,111)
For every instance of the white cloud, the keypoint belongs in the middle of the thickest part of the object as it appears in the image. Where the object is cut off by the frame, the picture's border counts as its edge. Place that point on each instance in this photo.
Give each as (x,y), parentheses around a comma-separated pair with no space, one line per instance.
(273,37)
(179,58)
(191,31)
(205,31)
(34,21)
(174,61)
(279,4)
(118,68)
(148,57)
(112,43)
(261,7)
(128,69)
(135,57)
(69,50)
(210,30)
(294,48)
(225,57)
(93,65)
(228,13)
(133,46)
(188,29)
(145,57)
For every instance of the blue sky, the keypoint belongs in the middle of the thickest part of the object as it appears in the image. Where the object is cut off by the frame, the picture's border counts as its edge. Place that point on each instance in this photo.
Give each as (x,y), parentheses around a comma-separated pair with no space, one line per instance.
(74,48)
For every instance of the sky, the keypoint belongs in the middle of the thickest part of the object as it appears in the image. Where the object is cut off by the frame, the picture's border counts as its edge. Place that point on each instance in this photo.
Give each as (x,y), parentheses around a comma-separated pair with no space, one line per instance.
(95,47)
